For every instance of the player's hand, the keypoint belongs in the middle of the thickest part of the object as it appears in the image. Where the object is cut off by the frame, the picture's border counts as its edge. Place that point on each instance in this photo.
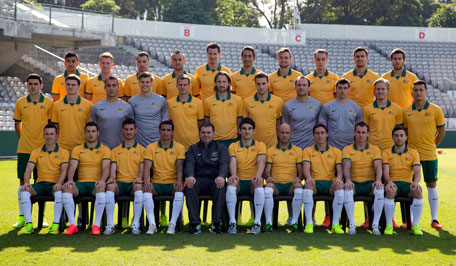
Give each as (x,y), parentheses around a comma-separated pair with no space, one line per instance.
(179,186)
(349,185)
(310,181)
(416,186)
(190,182)
(26,187)
(110,180)
(68,185)
(390,186)
(233,179)
(147,186)
(338,182)
(270,180)
(219,182)
(297,180)
(57,187)
(138,180)
(258,181)
(377,185)
(100,185)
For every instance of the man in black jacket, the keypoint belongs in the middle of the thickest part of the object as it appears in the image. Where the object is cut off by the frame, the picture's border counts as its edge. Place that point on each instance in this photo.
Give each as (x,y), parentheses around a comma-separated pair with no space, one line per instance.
(206,166)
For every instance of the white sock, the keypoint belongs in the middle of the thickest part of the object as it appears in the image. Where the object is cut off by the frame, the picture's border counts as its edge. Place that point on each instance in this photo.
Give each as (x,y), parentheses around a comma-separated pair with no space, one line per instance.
(231,199)
(379,201)
(178,203)
(268,204)
(149,207)
(26,206)
(68,203)
(296,204)
(58,206)
(417,209)
(338,204)
(258,200)
(307,199)
(137,207)
(390,208)
(19,200)
(110,207)
(349,205)
(433,198)
(100,203)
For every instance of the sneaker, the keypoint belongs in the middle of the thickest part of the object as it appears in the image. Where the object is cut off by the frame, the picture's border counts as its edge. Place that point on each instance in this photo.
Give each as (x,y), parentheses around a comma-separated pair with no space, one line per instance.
(268,228)
(96,230)
(352,231)
(365,224)
(54,229)
(152,229)
(163,220)
(404,226)
(395,226)
(336,229)
(135,229)
(376,232)
(232,228)
(45,224)
(171,229)
(416,230)
(288,223)
(215,228)
(71,230)
(20,222)
(309,229)
(28,229)
(294,228)
(124,223)
(250,222)
(389,230)
(256,229)
(109,230)
(435,224)
(326,222)
(195,229)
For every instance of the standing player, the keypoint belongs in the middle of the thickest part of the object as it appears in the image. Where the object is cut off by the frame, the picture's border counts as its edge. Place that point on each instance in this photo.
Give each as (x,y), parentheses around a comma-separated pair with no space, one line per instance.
(169,82)
(361,79)
(205,74)
(322,81)
(266,110)
(282,81)
(423,120)
(94,89)
(402,175)
(71,67)
(223,110)
(401,80)
(31,114)
(243,80)
(132,85)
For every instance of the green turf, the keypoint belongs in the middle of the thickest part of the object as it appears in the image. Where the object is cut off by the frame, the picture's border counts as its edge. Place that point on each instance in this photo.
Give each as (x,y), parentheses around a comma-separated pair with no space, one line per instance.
(277,248)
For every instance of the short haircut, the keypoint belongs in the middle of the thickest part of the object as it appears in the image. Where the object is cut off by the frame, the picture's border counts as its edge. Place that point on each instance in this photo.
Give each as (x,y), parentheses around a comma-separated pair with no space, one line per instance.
(129,121)
(399,127)
(51,125)
(145,75)
(209,124)
(73,77)
(91,124)
(384,81)
(141,54)
(420,82)
(362,124)
(360,49)
(320,125)
(343,81)
(223,73)
(106,55)
(34,76)
(321,51)
(302,77)
(284,50)
(247,120)
(185,77)
(248,48)
(71,54)
(213,45)
(397,51)
(176,52)
(166,122)
(261,75)
(112,77)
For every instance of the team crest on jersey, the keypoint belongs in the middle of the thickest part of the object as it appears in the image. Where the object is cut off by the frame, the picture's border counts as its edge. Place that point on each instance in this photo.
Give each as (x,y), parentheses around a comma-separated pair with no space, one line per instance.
(405,81)
(292,80)
(136,152)
(214,154)
(97,152)
(153,104)
(231,104)
(80,110)
(369,81)
(57,156)
(328,81)
(191,106)
(369,153)
(311,108)
(254,149)
(291,154)
(43,107)
(120,110)
(330,156)
(390,112)
(427,114)
(271,106)
(172,152)
(351,111)
(408,158)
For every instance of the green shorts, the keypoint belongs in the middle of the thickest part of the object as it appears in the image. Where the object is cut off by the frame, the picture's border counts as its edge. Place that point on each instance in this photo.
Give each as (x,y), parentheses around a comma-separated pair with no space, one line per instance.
(43,188)
(429,170)
(163,189)
(403,188)
(323,188)
(124,188)
(85,188)
(363,188)
(245,187)
(284,189)
(22,160)
(227,142)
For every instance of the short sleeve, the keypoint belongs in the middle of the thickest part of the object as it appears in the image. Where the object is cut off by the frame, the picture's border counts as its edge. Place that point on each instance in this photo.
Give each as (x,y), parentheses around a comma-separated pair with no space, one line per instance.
(55,88)
(89,105)
(439,118)
(232,150)
(416,158)
(149,153)
(338,154)
(306,154)
(399,116)
(180,152)
(121,92)
(33,157)
(18,112)
(127,88)
(261,148)
(88,88)
(75,153)
(65,156)
(55,114)
(200,111)
(285,114)
(194,87)
(404,115)
(385,158)
(299,155)
(366,115)
(207,108)
(245,112)
(239,107)
(346,153)
(279,109)
(169,112)
(106,153)
(114,157)
(377,153)
(269,155)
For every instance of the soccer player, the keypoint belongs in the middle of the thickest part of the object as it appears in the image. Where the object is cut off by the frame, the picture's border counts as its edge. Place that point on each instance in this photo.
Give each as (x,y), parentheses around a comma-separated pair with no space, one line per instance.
(322,80)
(361,79)
(52,164)
(92,160)
(341,115)
(71,67)
(206,167)
(402,175)
(169,82)
(266,110)
(94,90)
(302,114)
(362,166)
(282,81)
(186,112)
(401,80)
(283,174)
(223,110)
(243,83)
(110,113)
(205,74)
(382,116)
(322,169)
(149,110)
(31,114)
(247,162)
(423,120)
(132,85)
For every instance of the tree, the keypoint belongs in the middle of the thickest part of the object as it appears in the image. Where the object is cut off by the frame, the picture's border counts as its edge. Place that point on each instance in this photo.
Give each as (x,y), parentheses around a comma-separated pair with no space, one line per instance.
(106,6)
(429,8)
(277,13)
(445,16)
(186,11)
(236,14)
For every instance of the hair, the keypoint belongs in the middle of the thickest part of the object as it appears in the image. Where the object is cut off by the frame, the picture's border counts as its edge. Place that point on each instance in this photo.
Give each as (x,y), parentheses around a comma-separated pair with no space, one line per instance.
(213,45)
(106,55)
(284,50)
(35,76)
(247,120)
(222,73)
(129,121)
(320,125)
(146,75)
(362,124)
(321,51)
(302,77)
(343,81)
(166,122)
(176,52)
(141,54)
(112,77)
(248,48)
(207,125)
(73,77)
(261,75)
(91,124)
(384,81)
(420,82)
(183,76)
(360,49)
(399,127)
(71,54)
(397,51)
(51,125)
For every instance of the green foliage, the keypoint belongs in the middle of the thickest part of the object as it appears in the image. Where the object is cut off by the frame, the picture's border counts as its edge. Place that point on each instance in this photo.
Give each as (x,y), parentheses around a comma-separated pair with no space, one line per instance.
(106,6)
(429,8)
(445,16)
(236,13)
(186,11)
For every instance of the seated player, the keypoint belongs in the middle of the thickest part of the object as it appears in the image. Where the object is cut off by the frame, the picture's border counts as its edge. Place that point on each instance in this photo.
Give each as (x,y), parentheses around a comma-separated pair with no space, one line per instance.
(402,175)
(92,160)
(52,164)
(283,175)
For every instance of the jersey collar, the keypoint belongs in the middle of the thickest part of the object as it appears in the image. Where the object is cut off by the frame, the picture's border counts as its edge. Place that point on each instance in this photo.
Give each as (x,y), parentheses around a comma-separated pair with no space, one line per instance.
(325,75)
(29,100)
(213,70)
(404,72)
(174,75)
(256,97)
(242,146)
(189,98)
(316,148)
(56,149)
(247,74)
(365,148)
(356,74)
(170,145)
(218,98)
(134,145)
(78,101)
(288,148)
(388,104)
(96,147)
(289,73)
(65,74)
(394,151)
(424,108)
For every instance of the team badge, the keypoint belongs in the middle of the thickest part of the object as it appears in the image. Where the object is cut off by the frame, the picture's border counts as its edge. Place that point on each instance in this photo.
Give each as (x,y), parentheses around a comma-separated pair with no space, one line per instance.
(330,156)
(271,106)
(292,80)
(80,110)
(120,110)
(135,152)
(254,149)
(57,156)
(405,81)
(351,111)
(190,106)
(43,107)
(172,153)
(231,104)
(214,154)
(369,153)
(369,81)
(311,108)
(97,152)
(328,81)
(291,154)
(427,114)
(408,158)
(390,112)
(153,104)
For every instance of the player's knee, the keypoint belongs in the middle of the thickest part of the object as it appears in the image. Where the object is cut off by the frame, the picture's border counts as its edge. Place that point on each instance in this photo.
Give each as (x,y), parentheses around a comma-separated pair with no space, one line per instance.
(137,187)
(338,187)
(99,190)
(297,185)
(111,187)
(431,184)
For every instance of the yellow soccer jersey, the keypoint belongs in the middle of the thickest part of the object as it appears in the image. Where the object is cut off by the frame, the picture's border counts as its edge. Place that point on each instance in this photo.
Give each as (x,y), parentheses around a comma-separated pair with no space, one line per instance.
(284,163)
(322,87)
(90,167)
(362,86)
(422,126)
(205,77)
(381,121)
(246,158)
(34,116)
(49,164)
(223,114)
(362,161)
(132,85)
(58,86)
(400,90)
(265,114)
(322,163)
(128,161)
(401,165)
(185,116)
(71,119)
(169,86)
(284,86)
(243,84)
(164,161)
(95,87)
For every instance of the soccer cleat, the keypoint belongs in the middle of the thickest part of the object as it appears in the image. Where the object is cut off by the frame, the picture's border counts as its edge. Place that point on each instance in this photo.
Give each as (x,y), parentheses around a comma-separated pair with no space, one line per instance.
(435,224)
(239,220)
(171,229)
(195,229)
(109,230)
(352,231)
(404,226)
(389,230)
(395,226)
(365,224)
(288,223)
(416,230)
(54,229)
(294,228)
(124,223)
(336,229)
(71,230)
(215,228)
(309,229)
(135,230)
(250,222)
(376,232)
(256,229)
(28,229)
(268,228)
(152,229)
(163,220)
(326,222)
(232,228)
(20,222)
(96,230)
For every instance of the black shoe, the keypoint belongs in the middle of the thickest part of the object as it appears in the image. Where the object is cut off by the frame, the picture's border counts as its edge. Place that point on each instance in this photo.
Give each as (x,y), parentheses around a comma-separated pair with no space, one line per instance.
(194,229)
(215,228)
(295,228)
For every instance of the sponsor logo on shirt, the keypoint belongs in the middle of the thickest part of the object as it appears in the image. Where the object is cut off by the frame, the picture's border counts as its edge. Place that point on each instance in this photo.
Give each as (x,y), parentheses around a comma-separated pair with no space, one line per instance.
(275,154)
(275,81)
(63,110)
(373,113)
(174,106)
(205,75)
(313,155)
(120,152)
(311,108)
(25,107)
(157,152)
(352,154)
(214,104)
(41,156)
(82,152)
(238,79)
